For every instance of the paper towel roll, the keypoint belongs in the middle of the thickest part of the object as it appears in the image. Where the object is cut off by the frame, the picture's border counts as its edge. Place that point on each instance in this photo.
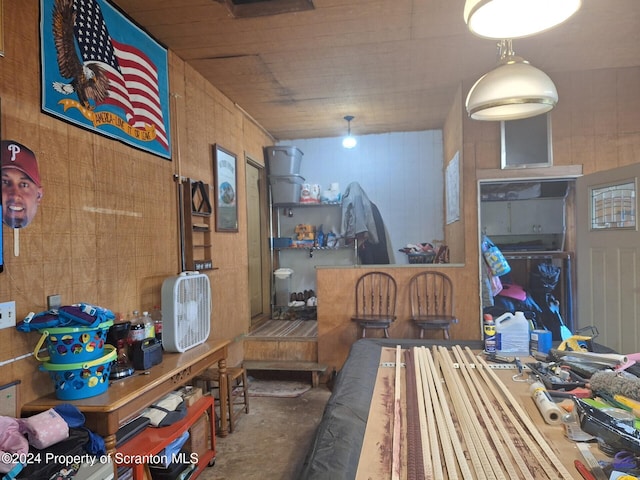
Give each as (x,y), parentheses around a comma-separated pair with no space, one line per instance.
(550,412)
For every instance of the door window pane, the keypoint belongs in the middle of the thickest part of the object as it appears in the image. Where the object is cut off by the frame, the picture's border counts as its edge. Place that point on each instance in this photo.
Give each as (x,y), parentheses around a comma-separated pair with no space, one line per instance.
(613,206)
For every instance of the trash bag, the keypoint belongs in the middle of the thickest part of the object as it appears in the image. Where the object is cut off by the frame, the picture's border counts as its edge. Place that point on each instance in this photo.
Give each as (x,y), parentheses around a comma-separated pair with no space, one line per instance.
(543,279)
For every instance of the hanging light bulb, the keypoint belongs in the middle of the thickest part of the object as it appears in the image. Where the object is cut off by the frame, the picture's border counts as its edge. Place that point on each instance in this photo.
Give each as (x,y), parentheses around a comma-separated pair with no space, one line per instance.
(516,18)
(513,90)
(349,141)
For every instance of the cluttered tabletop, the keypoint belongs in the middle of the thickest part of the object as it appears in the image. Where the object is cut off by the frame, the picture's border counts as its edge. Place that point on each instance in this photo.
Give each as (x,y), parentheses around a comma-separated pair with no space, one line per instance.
(586,393)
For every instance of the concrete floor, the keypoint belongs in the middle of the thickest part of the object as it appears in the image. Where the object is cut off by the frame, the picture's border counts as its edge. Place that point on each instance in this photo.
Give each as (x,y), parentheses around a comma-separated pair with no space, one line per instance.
(269,443)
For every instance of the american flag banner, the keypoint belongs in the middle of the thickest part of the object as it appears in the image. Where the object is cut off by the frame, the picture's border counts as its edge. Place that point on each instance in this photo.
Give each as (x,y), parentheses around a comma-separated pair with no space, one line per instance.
(104,73)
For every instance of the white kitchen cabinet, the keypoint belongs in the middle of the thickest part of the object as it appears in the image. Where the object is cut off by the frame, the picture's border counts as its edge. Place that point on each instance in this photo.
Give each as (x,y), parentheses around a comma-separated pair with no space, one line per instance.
(538,216)
(496,218)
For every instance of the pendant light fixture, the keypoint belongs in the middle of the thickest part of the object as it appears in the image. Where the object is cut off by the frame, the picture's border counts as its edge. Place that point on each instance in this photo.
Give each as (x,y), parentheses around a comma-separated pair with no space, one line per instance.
(513,90)
(516,18)
(349,141)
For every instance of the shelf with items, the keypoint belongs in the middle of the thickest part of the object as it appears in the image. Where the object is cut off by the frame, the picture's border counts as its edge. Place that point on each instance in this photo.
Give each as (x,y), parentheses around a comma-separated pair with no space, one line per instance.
(309,204)
(295,228)
(197,215)
(152,441)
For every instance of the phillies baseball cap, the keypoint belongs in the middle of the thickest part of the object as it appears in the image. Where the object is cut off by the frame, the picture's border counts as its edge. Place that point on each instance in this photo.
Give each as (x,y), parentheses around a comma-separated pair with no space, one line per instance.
(16,155)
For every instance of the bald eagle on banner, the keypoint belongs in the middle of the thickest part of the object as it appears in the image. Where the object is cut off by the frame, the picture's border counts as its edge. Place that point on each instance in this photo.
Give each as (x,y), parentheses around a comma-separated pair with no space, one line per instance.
(88,80)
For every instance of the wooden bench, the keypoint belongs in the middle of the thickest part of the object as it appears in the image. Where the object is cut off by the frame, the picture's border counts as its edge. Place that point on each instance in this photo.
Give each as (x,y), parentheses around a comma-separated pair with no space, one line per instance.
(316,369)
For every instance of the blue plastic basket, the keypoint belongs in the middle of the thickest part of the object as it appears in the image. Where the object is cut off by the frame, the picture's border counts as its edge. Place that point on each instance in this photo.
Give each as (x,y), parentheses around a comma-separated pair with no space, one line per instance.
(68,345)
(74,381)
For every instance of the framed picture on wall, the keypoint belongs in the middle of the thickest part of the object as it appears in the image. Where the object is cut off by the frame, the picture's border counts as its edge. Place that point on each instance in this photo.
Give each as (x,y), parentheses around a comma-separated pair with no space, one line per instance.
(226,186)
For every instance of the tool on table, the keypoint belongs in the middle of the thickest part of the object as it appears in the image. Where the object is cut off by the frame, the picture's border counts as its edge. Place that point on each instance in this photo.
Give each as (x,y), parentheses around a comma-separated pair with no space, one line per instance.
(591,461)
(607,359)
(556,376)
(579,342)
(550,412)
(583,470)
(625,461)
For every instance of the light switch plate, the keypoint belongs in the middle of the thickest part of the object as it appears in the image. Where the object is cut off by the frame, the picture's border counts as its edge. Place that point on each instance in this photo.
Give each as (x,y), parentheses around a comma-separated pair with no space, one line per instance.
(7,314)
(54,302)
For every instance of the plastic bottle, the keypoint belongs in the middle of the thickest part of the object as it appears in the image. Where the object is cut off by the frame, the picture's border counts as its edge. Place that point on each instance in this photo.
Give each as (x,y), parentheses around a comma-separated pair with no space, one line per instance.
(149,328)
(489,334)
(156,316)
(136,331)
(512,334)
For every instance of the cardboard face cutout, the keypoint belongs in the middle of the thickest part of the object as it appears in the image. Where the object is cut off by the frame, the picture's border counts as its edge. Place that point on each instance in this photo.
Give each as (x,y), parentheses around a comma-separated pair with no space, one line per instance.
(21,186)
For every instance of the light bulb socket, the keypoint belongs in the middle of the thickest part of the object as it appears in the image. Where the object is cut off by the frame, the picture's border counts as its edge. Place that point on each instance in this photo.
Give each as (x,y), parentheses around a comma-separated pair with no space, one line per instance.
(349,141)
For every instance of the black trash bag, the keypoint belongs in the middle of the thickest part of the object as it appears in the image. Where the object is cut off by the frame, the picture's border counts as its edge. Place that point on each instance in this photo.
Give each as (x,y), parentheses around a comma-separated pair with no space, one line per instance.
(543,279)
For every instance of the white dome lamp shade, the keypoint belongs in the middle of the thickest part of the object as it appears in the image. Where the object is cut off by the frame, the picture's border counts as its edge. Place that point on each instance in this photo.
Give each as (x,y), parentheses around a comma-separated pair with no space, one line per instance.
(516,18)
(349,141)
(513,90)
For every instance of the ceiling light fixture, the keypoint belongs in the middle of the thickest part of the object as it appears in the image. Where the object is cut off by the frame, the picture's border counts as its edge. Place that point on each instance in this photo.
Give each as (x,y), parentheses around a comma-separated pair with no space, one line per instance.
(349,141)
(516,18)
(513,90)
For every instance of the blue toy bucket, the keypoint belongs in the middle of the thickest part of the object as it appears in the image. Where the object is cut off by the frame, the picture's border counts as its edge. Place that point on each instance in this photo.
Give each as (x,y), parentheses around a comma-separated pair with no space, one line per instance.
(74,381)
(68,345)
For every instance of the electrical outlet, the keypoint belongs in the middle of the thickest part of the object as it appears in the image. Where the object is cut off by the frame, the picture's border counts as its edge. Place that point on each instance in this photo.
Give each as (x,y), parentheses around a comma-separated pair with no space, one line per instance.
(7,314)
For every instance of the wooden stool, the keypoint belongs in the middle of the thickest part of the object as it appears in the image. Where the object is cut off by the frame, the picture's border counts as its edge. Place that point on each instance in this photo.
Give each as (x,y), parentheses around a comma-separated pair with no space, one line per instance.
(237,390)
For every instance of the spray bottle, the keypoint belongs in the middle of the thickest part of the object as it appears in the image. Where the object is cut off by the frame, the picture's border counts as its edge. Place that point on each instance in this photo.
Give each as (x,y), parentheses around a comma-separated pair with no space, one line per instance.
(489,334)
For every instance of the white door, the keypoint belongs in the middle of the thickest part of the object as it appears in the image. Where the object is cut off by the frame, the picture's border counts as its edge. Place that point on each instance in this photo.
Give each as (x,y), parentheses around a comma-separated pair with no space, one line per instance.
(608,259)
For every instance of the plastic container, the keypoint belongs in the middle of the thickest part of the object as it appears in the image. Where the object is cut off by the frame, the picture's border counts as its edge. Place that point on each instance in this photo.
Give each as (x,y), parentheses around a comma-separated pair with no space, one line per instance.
(73,381)
(281,242)
(283,286)
(540,342)
(512,334)
(149,327)
(73,344)
(283,160)
(156,315)
(286,188)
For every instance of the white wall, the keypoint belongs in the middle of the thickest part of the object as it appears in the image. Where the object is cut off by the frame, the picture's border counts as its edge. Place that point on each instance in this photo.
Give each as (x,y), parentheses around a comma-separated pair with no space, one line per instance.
(402,173)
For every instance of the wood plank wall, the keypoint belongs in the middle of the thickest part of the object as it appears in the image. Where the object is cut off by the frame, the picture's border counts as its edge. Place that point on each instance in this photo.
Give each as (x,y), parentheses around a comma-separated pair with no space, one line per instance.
(118,258)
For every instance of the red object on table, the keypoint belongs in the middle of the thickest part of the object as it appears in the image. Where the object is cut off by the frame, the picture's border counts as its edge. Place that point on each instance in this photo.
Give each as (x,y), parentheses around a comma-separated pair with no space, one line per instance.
(584,471)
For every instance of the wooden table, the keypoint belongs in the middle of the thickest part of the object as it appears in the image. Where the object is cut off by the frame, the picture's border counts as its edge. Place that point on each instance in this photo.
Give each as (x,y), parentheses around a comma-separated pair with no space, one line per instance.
(379,441)
(126,398)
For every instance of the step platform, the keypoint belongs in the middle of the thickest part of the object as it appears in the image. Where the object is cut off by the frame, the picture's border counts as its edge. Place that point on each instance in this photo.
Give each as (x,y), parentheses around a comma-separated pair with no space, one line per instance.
(316,369)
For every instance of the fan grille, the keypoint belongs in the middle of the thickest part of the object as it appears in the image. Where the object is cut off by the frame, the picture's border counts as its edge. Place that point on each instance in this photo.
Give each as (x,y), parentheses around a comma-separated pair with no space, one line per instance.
(186,311)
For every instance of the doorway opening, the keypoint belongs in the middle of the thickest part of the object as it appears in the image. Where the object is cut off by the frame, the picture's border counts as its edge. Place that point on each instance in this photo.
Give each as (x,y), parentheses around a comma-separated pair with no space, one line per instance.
(533,223)
(257,247)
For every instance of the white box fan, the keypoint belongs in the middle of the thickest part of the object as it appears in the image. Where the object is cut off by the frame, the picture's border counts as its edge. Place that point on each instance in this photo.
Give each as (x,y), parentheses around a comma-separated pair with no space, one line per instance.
(186,311)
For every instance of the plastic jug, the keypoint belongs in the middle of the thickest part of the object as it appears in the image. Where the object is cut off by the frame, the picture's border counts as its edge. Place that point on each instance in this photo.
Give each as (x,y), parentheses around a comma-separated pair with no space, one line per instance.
(512,335)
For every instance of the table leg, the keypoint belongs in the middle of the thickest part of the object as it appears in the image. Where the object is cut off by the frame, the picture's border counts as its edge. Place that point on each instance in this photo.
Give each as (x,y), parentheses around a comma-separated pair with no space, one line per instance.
(224,412)
(110,444)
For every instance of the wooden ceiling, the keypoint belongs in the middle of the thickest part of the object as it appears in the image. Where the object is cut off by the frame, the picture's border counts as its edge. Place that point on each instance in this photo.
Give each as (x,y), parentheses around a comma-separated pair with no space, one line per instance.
(394,65)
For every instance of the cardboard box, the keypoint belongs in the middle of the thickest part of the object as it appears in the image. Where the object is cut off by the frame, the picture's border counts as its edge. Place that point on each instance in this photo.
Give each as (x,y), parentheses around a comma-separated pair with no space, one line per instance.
(198,441)
(191,395)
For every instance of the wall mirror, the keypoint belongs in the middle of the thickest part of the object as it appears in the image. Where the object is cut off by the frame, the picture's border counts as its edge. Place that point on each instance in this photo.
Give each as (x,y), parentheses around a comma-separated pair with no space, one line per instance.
(526,143)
